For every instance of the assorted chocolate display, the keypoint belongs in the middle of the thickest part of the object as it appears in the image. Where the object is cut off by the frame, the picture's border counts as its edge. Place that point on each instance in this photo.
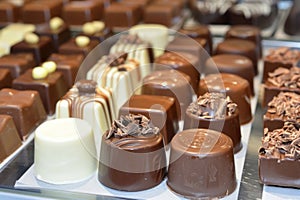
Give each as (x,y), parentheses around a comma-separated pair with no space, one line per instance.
(131,101)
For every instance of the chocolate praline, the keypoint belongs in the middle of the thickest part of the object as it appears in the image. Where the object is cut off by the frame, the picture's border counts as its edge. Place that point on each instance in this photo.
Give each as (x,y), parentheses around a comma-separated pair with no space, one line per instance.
(134,160)
(201,164)
(217,112)
(235,87)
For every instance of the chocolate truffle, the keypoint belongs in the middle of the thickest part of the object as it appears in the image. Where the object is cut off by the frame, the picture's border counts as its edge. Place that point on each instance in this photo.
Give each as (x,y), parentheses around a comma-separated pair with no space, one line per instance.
(68,64)
(80,12)
(39,11)
(41,50)
(231,64)
(290,25)
(137,49)
(58,35)
(278,160)
(50,88)
(201,164)
(281,57)
(183,62)
(283,107)
(211,12)
(5,78)
(160,109)
(119,15)
(117,74)
(170,83)
(235,87)
(17,63)
(198,32)
(9,138)
(72,139)
(71,47)
(239,47)
(217,112)
(281,80)
(25,107)
(246,32)
(132,156)
(258,13)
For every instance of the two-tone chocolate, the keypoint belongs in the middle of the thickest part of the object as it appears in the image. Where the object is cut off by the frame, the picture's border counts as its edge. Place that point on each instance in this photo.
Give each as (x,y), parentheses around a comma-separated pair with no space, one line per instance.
(279,156)
(201,164)
(215,111)
(132,155)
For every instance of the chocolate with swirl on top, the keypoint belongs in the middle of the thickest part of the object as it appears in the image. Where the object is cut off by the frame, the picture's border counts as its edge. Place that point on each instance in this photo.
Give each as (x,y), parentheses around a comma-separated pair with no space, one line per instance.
(279,156)
(132,155)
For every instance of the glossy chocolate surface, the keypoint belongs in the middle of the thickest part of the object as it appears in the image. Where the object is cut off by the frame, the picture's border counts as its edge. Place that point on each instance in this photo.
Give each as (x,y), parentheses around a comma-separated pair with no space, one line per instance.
(283,107)
(279,156)
(170,83)
(239,47)
(160,109)
(217,112)
(80,12)
(231,64)
(5,78)
(132,160)
(17,63)
(280,57)
(51,88)
(119,15)
(68,64)
(41,50)
(70,47)
(183,62)
(201,164)
(9,137)
(235,87)
(25,107)
(58,36)
(197,32)
(290,25)
(247,32)
(38,12)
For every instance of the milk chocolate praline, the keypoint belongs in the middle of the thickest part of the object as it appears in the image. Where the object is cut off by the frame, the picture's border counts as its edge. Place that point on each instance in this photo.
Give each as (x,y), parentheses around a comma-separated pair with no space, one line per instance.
(217,112)
(235,87)
(201,164)
(132,155)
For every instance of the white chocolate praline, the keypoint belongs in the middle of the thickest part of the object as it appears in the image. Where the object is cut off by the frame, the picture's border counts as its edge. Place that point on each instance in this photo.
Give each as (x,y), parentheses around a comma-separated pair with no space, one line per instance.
(64,151)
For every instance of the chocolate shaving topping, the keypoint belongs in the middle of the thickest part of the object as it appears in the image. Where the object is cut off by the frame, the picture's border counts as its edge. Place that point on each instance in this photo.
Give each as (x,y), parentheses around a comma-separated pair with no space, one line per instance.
(132,125)
(283,77)
(284,54)
(286,105)
(212,106)
(282,143)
